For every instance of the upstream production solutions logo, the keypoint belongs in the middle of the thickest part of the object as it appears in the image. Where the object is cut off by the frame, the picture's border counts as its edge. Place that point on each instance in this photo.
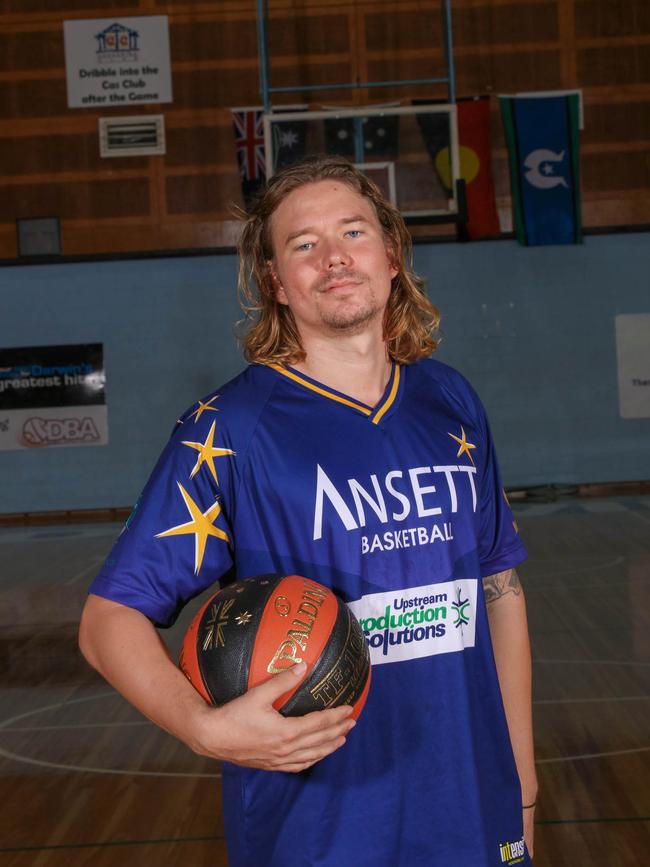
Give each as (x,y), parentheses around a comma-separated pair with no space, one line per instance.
(419,621)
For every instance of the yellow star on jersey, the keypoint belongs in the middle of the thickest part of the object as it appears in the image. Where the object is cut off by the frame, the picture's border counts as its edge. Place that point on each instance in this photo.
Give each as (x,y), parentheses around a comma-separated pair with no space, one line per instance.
(207,453)
(201,526)
(465,447)
(204,407)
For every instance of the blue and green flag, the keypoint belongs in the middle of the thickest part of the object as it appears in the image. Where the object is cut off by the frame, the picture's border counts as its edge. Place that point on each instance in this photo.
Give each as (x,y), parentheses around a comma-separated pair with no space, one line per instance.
(542,133)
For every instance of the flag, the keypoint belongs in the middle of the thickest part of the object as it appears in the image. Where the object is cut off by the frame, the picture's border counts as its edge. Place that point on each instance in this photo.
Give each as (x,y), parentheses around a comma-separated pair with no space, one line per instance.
(476,168)
(379,136)
(474,153)
(543,145)
(289,139)
(434,128)
(248,125)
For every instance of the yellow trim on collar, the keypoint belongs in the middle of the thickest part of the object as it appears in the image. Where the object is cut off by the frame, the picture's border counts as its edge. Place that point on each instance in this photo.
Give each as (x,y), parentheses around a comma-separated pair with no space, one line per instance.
(290,375)
(391,397)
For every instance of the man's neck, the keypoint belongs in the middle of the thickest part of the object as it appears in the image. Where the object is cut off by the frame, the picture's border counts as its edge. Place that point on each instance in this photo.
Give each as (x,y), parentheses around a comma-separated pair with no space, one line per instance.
(358,366)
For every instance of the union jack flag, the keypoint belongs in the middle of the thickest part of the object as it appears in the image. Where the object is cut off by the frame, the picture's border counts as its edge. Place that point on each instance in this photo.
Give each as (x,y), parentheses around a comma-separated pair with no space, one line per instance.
(249,137)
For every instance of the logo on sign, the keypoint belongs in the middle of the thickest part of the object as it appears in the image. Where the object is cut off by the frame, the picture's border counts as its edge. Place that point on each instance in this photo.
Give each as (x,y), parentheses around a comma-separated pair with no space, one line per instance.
(48,431)
(117,41)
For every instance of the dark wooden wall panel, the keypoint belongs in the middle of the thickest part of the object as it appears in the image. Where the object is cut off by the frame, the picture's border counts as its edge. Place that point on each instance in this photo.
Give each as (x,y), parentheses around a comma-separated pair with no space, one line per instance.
(628,64)
(200,145)
(189,194)
(616,171)
(54,154)
(80,201)
(213,40)
(36,49)
(618,122)
(49,161)
(22,7)
(33,98)
(608,18)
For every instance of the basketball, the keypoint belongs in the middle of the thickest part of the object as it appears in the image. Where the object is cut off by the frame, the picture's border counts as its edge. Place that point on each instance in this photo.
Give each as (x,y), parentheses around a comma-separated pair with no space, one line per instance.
(256,628)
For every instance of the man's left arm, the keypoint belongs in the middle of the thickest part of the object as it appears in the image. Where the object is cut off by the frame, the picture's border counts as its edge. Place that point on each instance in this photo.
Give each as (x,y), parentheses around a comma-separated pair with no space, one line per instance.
(506,608)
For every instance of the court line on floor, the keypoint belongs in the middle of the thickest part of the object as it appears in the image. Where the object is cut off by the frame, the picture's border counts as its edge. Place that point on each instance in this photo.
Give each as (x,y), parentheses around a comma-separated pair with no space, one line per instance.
(610,820)
(211,839)
(82,768)
(593,662)
(581,756)
(94,561)
(587,568)
(145,722)
(592,700)
(107,843)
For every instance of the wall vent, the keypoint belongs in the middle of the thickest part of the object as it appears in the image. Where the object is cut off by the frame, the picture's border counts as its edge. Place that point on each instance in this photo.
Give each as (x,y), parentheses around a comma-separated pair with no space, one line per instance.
(132,136)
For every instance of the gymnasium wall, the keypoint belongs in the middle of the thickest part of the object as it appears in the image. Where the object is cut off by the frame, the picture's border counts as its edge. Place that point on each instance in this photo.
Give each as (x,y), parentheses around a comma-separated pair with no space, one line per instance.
(49,154)
(533,329)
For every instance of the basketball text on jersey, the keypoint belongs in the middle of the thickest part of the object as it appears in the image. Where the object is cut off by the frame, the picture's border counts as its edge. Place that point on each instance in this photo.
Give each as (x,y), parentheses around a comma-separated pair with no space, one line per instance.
(399,494)
(421,621)
(512,853)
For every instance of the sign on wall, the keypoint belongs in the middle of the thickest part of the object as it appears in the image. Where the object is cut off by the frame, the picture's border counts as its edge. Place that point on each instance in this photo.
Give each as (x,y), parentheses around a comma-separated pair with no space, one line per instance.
(52,396)
(633,354)
(117,62)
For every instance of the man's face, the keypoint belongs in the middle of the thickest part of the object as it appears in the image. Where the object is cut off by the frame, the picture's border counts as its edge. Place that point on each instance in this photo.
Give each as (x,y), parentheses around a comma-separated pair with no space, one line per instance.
(331,264)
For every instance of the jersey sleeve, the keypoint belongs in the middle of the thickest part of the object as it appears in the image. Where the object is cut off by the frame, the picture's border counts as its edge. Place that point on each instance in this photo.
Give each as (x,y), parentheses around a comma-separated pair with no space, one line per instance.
(500,545)
(177,541)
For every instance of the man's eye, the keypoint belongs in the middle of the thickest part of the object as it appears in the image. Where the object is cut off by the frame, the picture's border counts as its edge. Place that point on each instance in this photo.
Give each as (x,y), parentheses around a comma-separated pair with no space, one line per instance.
(354,233)
(303,247)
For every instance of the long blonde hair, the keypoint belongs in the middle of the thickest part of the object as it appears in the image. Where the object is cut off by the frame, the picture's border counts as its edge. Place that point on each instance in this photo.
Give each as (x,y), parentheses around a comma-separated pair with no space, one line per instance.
(410,319)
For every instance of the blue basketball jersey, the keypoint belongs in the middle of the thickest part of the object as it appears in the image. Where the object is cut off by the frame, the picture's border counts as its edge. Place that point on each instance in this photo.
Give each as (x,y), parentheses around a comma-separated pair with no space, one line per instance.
(400,510)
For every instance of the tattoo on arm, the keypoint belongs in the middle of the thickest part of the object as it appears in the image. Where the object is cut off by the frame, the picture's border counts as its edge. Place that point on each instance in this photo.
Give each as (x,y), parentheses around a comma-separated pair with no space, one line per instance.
(496,586)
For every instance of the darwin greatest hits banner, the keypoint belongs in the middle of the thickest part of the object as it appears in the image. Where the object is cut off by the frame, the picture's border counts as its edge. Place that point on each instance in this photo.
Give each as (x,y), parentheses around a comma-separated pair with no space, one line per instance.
(52,396)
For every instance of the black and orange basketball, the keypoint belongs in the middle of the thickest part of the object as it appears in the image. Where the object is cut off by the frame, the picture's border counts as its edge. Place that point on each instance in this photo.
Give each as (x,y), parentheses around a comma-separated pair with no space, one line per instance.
(256,628)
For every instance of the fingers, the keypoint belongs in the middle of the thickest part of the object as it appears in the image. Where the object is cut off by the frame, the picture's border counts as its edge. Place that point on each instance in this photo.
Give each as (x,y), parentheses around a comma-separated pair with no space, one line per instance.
(315,733)
(300,760)
(277,685)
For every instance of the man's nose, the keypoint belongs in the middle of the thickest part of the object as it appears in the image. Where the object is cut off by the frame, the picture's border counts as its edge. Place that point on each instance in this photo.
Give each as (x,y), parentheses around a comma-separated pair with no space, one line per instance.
(336,255)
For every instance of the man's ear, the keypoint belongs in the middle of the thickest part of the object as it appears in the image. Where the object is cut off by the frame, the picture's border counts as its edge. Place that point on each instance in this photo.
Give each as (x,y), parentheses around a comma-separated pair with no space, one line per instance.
(393,260)
(279,293)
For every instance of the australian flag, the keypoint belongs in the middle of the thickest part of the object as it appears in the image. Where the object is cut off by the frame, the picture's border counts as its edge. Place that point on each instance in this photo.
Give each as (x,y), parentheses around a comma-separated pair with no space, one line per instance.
(363,139)
(289,139)
(248,125)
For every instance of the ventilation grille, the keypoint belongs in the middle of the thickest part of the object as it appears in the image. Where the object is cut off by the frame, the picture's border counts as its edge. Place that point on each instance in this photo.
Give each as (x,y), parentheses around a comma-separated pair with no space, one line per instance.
(132,136)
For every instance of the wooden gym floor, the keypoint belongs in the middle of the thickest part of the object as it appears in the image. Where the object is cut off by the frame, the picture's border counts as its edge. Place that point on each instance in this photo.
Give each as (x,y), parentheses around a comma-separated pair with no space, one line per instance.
(85,780)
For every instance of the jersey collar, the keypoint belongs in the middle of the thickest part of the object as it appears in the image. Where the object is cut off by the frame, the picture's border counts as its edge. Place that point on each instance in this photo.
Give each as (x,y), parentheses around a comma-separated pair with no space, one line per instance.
(374,414)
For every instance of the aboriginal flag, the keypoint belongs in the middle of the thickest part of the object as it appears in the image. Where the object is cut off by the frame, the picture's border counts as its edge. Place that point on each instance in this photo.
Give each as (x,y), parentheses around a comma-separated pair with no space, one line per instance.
(475,161)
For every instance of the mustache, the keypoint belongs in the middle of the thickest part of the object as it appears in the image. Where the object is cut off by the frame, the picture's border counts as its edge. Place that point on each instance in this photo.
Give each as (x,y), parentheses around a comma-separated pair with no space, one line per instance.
(343,275)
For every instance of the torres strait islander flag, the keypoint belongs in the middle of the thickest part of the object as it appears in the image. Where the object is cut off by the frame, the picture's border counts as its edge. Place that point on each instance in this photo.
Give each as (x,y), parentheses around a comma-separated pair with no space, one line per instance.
(542,133)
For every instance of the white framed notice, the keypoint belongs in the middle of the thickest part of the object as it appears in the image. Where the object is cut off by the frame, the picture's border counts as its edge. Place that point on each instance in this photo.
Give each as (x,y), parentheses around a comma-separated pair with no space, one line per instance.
(114,62)
(633,356)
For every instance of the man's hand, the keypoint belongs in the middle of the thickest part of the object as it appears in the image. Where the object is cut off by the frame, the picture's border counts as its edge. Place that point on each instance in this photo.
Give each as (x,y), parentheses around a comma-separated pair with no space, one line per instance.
(249,731)
(124,647)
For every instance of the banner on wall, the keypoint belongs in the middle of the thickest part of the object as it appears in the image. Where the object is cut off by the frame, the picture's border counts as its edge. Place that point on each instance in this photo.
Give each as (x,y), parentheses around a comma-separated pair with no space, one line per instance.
(633,356)
(52,396)
(117,62)
(543,137)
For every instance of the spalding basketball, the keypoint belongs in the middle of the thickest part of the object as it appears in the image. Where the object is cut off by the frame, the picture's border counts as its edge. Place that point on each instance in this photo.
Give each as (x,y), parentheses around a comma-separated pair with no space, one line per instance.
(256,628)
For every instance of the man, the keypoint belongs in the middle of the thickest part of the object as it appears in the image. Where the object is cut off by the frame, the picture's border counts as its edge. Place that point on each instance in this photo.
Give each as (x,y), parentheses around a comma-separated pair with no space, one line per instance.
(343,454)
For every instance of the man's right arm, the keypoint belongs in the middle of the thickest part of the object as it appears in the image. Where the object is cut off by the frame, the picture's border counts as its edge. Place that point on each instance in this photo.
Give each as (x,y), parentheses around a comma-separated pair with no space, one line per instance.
(124,646)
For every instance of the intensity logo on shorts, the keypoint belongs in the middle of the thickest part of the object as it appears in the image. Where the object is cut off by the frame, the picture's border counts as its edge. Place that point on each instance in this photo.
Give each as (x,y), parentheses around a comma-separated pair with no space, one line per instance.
(512,852)
(420,621)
